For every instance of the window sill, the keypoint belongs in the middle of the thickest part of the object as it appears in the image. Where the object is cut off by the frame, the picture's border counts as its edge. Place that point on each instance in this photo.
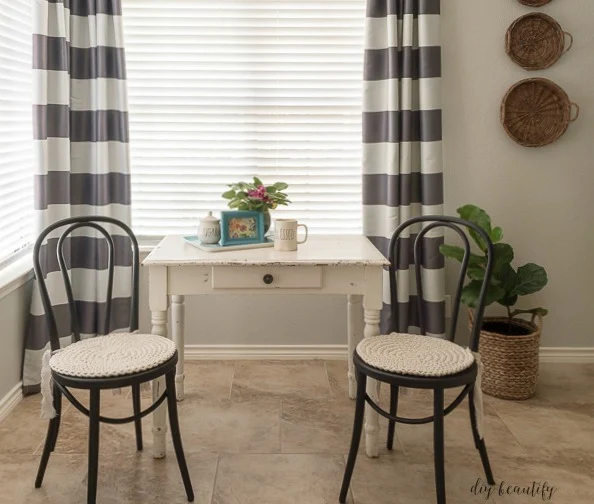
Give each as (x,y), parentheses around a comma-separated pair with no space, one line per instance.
(16,275)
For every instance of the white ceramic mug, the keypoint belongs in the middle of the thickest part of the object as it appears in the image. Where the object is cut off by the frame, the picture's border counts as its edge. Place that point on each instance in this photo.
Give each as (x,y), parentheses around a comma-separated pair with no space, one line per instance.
(285,234)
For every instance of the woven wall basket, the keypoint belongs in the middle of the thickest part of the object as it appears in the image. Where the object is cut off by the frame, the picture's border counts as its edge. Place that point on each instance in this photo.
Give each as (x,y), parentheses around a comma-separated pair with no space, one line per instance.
(510,362)
(534,3)
(536,112)
(536,41)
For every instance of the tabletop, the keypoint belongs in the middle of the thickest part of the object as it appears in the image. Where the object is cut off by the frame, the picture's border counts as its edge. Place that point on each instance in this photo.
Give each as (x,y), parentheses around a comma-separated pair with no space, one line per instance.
(332,250)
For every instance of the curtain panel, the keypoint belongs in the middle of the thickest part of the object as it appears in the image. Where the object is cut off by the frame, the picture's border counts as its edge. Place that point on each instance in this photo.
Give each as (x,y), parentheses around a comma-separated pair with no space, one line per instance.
(402,151)
(80,129)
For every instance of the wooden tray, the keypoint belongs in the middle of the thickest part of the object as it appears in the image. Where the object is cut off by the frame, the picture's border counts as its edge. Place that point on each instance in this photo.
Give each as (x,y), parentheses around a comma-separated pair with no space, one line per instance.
(536,41)
(195,242)
(536,112)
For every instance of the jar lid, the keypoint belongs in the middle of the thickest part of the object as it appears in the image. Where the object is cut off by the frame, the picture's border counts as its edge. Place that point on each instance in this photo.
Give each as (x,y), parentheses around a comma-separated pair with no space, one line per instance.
(209,218)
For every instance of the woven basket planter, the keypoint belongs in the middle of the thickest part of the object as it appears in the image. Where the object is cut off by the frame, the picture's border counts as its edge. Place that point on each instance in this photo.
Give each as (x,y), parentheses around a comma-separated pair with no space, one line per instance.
(510,362)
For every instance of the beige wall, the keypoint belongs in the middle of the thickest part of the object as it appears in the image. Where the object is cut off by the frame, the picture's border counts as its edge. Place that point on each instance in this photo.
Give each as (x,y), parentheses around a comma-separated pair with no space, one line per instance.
(542,198)
(14,309)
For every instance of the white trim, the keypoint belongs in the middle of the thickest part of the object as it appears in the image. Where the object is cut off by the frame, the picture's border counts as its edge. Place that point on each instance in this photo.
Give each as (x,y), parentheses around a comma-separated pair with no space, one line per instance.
(16,275)
(574,355)
(10,400)
(288,352)
(216,352)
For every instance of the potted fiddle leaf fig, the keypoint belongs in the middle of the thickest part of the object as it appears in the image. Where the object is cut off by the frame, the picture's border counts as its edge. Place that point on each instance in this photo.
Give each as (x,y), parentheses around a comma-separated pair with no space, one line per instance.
(509,345)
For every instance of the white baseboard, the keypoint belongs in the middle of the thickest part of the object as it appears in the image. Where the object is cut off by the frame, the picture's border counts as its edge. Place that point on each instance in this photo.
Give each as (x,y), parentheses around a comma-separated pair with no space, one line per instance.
(567,354)
(218,352)
(10,400)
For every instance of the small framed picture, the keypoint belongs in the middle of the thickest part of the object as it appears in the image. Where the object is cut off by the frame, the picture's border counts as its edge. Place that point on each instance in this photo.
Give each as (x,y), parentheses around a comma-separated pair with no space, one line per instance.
(241,228)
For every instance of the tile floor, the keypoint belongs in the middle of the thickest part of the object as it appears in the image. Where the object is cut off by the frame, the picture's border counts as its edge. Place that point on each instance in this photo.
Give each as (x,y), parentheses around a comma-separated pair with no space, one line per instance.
(277,433)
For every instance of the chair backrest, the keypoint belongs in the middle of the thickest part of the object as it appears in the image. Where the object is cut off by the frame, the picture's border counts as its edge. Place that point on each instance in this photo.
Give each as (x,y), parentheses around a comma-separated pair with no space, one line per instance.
(73,224)
(398,246)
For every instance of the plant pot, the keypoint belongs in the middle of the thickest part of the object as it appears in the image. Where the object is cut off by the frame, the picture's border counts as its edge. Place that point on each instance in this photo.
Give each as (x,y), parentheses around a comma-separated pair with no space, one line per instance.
(510,362)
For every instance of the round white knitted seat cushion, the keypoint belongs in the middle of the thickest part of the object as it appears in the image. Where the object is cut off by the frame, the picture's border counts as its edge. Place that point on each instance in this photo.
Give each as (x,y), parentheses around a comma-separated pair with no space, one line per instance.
(411,354)
(116,354)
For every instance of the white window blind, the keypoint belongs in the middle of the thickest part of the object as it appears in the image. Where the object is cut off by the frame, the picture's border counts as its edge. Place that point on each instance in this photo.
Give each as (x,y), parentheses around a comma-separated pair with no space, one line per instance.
(221,91)
(16,130)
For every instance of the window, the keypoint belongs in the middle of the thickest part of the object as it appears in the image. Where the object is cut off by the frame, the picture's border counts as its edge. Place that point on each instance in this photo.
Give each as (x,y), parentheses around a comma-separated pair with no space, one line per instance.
(16,130)
(220,91)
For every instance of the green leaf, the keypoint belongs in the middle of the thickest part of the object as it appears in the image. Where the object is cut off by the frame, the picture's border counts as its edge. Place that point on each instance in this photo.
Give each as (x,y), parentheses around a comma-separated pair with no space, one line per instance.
(281,186)
(457,253)
(271,189)
(243,206)
(503,255)
(535,311)
(257,181)
(476,273)
(507,277)
(529,279)
(508,301)
(470,293)
(496,234)
(234,203)
(479,217)
(229,194)
(452,252)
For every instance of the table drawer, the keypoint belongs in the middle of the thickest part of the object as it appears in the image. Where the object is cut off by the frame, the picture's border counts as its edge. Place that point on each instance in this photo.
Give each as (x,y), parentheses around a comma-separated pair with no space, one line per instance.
(263,277)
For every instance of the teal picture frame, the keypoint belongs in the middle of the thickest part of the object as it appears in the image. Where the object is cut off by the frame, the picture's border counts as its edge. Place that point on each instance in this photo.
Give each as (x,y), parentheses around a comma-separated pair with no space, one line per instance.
(233,223)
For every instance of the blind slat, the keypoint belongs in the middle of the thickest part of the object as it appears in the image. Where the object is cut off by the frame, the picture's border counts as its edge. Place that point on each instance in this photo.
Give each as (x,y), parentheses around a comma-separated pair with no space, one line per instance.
(222,91)
(16,134)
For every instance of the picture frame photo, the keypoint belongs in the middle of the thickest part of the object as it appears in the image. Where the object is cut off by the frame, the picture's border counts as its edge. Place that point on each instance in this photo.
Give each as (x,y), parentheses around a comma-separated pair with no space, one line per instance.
(240,227)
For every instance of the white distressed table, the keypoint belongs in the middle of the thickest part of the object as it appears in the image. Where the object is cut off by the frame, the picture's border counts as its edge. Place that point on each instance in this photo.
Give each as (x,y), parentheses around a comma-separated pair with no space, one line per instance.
(348,265)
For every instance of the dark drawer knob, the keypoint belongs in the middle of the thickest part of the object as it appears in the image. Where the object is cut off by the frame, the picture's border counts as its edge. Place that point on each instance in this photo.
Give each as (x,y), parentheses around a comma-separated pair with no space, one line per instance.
(268,279)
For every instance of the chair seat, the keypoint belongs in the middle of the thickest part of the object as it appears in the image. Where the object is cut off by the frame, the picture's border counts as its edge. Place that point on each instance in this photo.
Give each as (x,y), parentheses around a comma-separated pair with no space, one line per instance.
(116,354)
(411,354)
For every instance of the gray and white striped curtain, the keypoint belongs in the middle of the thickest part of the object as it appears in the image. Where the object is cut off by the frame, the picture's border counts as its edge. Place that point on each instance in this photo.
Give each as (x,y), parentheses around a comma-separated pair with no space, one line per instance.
(80,124)
(402,153)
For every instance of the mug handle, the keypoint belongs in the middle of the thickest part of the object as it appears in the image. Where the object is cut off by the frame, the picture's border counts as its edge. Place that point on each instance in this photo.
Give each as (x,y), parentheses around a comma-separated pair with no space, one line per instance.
(305,227)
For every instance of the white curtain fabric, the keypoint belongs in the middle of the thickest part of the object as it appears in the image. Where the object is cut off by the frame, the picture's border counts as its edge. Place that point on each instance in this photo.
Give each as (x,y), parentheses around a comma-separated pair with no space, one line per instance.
(80,129)
(402,151)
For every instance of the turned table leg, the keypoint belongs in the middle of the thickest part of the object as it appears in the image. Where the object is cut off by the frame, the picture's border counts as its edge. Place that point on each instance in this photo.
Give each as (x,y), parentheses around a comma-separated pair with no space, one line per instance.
(354,332)
(159,322)
(372,328)
(177,333)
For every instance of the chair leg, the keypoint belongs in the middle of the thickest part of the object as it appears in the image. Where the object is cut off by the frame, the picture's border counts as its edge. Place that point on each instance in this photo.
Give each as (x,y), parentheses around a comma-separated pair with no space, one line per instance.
(176,435)
(51,437)
(138,421)
(93,446)
(438,446)
(356,438)
(393,412)
(478,442)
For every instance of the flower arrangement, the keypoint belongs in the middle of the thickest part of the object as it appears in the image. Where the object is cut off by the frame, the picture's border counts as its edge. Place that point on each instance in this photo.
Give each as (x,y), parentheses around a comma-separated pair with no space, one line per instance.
(256,196)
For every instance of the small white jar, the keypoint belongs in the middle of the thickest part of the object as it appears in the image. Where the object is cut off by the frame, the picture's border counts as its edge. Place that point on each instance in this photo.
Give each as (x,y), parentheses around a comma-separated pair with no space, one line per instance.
(209,231)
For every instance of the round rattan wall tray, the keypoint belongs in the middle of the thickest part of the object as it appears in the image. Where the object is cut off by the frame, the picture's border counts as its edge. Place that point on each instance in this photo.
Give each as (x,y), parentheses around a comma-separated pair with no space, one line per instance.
(536,41)
(536,112)
(534,3)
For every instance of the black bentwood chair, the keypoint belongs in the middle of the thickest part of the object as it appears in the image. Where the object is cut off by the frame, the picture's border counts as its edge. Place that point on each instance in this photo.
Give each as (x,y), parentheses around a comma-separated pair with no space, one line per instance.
(419,361)
(105,362)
